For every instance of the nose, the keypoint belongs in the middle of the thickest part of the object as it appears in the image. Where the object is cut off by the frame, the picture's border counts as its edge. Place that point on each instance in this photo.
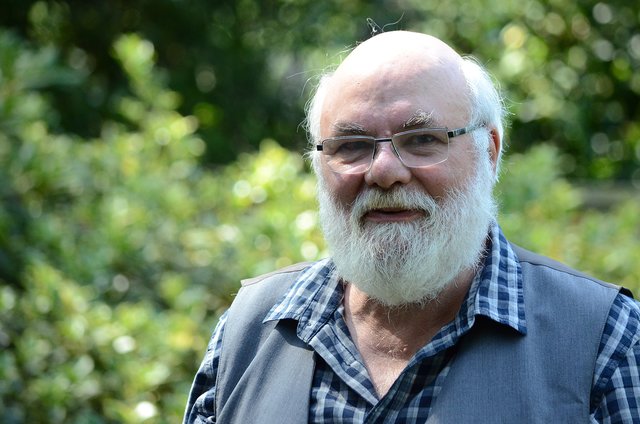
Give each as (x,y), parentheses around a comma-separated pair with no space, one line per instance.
(386,168)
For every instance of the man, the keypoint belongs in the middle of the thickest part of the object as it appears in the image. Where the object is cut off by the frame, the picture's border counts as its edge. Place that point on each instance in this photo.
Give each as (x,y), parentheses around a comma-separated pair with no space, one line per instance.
(424,312)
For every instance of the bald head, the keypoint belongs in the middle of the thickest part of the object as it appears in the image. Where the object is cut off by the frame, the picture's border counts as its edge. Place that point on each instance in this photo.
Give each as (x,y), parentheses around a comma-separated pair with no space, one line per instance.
(388,68)
(393,66)
(402,49)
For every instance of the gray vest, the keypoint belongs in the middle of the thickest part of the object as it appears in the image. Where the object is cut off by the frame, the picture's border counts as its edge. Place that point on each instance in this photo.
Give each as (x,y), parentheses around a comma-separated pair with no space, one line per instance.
(497,376)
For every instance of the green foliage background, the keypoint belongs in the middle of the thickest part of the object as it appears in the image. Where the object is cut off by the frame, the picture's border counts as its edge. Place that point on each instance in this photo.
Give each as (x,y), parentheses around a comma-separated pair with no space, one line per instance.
(122,235)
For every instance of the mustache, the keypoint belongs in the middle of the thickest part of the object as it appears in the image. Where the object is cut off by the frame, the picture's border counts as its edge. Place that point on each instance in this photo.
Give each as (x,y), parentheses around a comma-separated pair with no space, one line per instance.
(398,197)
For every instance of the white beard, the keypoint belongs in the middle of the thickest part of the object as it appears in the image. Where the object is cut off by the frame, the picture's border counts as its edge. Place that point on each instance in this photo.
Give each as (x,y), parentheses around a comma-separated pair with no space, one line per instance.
(409,262)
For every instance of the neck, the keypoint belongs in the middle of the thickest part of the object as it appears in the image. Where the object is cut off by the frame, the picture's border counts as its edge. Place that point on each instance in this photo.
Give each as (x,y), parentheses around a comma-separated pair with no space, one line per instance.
(410,320)
(387,337)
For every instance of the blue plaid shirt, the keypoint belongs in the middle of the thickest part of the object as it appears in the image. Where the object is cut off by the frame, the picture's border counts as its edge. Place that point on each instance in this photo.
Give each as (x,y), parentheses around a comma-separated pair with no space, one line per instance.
(343,392)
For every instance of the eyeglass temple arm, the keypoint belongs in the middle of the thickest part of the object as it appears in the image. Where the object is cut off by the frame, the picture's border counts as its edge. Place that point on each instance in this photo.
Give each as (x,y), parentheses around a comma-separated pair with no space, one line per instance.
(460,131)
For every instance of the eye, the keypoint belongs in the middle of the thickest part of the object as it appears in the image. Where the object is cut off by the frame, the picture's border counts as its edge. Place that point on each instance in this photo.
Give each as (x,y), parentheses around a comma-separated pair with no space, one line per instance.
(420,140)
(422,143)
(348,147)
(354,146)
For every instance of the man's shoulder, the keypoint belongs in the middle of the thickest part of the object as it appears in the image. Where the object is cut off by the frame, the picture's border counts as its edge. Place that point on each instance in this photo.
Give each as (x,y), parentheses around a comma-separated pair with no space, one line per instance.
(259,294)
(287,272)
(534,259)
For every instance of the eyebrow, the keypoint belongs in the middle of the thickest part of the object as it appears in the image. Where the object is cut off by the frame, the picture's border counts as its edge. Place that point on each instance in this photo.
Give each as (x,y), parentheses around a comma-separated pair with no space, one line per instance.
(348,128)
(419,119)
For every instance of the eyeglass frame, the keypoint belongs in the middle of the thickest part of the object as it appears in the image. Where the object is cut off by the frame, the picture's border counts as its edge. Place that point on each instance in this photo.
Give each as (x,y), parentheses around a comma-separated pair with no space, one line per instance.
(450,134)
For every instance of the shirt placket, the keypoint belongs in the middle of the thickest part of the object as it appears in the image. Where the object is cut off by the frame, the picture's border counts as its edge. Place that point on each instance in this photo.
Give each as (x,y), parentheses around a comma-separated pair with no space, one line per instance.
(410,398)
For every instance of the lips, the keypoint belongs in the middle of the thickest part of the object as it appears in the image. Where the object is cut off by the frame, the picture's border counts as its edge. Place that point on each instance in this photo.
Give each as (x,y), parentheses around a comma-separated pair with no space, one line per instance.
(391,210)
(392,215)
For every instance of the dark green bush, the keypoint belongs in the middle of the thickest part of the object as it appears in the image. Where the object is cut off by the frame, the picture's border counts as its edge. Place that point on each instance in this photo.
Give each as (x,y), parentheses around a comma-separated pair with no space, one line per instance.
(243,67)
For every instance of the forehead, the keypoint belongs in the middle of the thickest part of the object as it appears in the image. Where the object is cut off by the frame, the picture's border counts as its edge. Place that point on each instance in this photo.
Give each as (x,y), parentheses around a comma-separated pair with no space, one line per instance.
(381,94)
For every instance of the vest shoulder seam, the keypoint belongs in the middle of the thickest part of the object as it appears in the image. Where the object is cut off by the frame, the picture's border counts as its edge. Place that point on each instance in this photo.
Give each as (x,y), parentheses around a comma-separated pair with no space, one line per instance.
(295,268)
(534,259)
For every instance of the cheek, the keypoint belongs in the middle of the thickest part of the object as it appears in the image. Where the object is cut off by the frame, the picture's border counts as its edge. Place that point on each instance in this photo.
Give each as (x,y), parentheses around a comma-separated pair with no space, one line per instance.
(458,170)
(438,180)
(344,188)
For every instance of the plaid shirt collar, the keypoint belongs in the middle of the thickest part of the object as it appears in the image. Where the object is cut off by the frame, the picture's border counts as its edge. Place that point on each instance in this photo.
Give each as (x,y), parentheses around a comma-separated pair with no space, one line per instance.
(496,292)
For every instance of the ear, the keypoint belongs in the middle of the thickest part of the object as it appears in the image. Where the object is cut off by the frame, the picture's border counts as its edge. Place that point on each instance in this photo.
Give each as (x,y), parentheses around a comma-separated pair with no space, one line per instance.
(495,144)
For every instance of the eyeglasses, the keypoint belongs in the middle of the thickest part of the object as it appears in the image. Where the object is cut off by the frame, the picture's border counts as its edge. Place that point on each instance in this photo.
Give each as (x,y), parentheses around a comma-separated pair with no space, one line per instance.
(419,148)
